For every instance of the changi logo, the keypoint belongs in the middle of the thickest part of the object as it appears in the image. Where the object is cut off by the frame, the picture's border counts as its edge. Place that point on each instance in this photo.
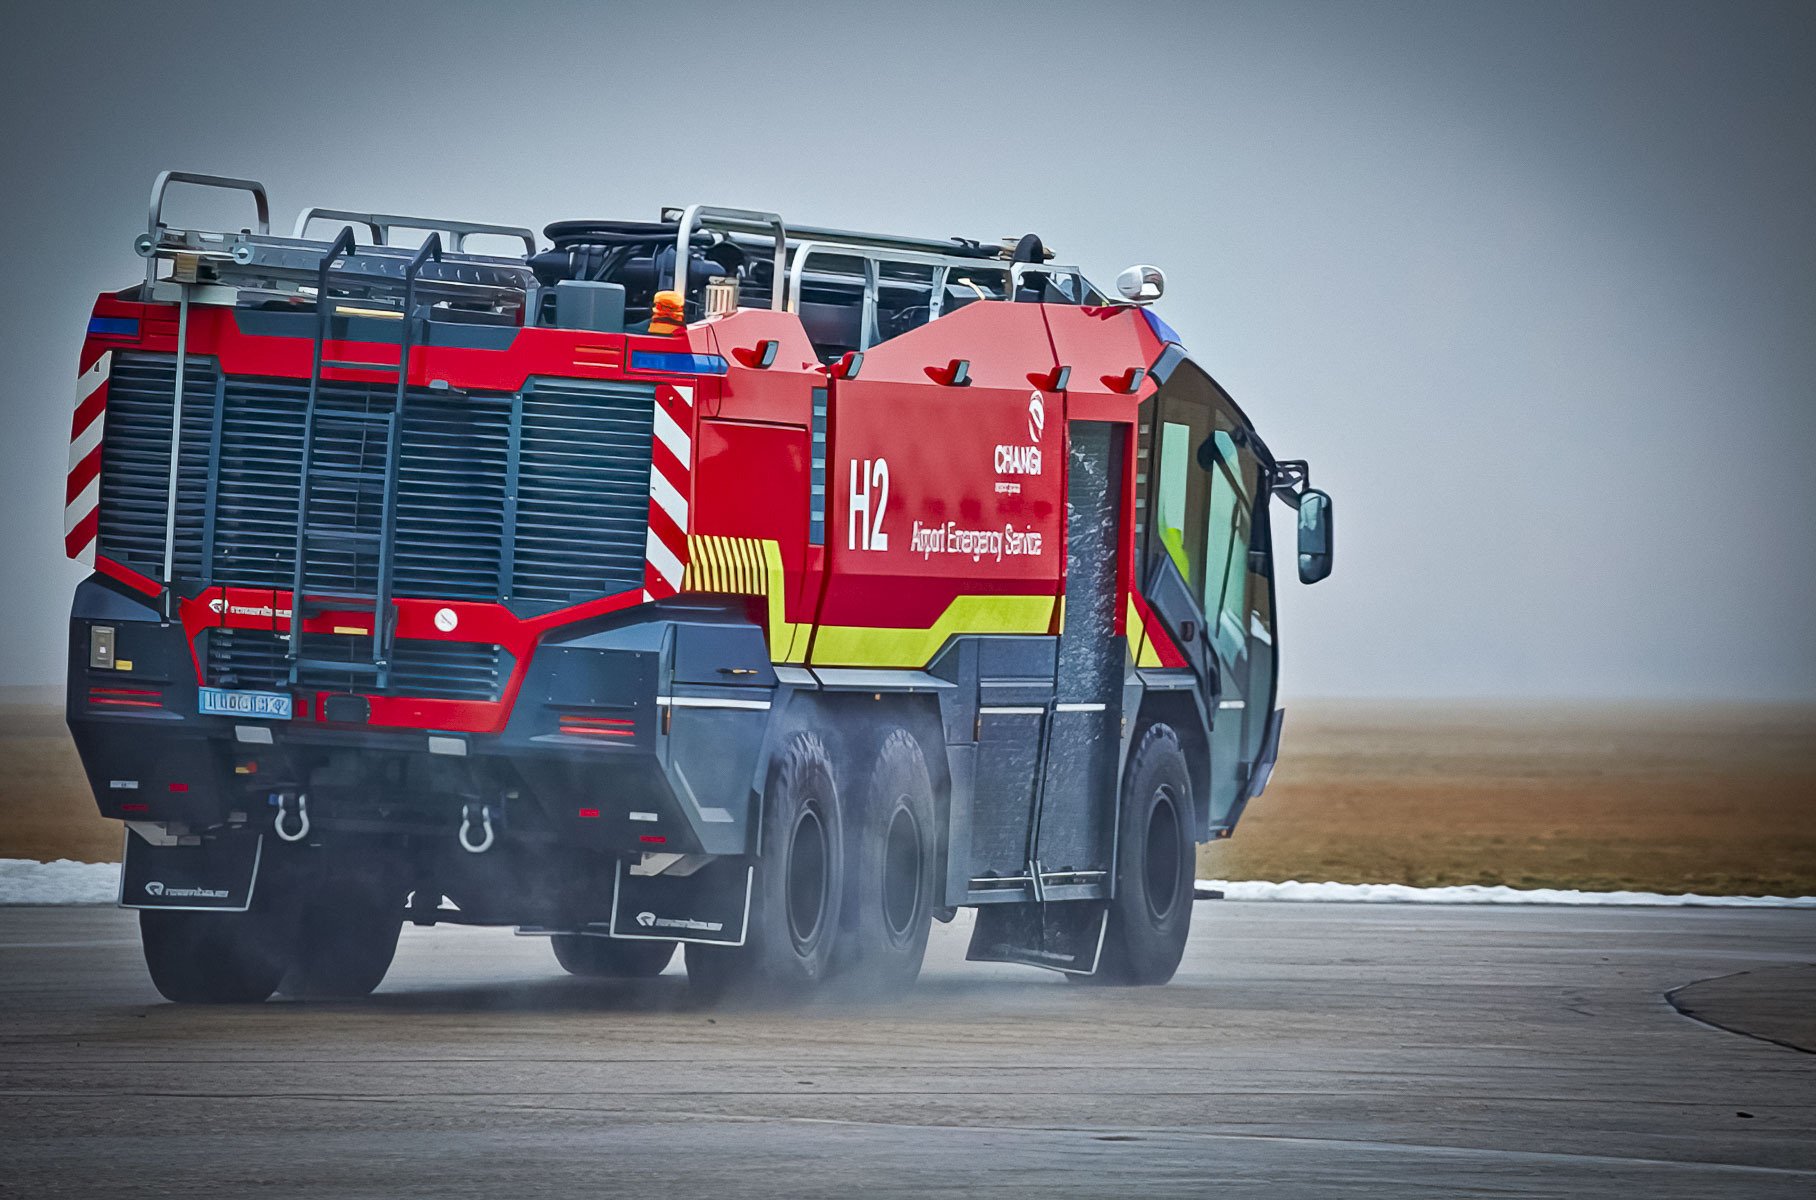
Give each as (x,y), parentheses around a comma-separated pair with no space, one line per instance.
(646,919)
(1025,460)
(154,888)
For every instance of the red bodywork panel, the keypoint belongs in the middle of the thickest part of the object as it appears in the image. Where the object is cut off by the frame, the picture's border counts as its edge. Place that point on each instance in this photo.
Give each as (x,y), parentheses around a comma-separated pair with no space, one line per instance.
(969,500)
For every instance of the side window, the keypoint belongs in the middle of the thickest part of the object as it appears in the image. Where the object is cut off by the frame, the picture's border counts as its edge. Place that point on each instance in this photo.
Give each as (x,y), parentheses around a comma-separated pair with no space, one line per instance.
(1233,473)
(1177,507)
(1201,479)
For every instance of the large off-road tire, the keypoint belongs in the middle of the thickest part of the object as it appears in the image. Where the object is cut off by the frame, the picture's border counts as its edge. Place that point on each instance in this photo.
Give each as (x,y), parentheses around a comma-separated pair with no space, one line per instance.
(611,958)
(794,902)
(1155,865)
(892,884)
(343,935)
(212,957)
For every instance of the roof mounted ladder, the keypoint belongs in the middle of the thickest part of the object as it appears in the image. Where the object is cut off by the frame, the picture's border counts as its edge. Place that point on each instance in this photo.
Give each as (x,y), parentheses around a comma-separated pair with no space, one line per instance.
(361,481)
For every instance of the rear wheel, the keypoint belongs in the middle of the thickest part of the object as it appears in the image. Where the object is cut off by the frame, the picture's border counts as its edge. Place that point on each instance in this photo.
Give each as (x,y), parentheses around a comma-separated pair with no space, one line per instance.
(893,870)
(610,958)
(794,902)
(212,957)
(1155,861)
(344,937)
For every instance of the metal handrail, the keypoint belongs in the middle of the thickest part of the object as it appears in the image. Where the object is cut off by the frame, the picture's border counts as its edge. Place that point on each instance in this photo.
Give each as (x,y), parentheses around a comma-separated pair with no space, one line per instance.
(155,212)
(943,265)
(382,615)
(694,214)
(381,225)
(343,245)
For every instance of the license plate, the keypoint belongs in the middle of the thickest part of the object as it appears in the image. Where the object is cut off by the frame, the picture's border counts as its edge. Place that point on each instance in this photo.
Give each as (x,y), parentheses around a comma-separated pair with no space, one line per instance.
(261,706)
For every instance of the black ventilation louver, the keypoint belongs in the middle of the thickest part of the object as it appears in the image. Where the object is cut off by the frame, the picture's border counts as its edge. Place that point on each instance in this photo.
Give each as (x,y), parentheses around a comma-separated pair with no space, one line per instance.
(582,489)
(135,462)
(574,453)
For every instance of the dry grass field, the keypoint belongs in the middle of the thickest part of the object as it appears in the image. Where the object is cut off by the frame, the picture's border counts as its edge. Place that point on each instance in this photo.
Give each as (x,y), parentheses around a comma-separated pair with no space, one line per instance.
(1719,800)
(1672,799)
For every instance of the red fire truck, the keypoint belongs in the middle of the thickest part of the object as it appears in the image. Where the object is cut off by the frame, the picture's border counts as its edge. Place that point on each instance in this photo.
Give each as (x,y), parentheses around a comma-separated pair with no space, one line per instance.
(766,590)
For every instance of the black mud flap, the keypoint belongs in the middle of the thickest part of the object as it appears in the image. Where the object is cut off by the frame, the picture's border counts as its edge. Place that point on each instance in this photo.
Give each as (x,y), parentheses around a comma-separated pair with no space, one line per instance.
(1064,935)
(712,905)
(215,874)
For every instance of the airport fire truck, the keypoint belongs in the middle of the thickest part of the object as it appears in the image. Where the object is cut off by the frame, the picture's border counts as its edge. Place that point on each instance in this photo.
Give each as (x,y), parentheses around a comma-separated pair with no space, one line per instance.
(764,590)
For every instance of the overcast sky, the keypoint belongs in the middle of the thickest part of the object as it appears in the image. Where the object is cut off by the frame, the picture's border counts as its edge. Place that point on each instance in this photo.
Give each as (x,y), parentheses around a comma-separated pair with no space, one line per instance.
(1533,286)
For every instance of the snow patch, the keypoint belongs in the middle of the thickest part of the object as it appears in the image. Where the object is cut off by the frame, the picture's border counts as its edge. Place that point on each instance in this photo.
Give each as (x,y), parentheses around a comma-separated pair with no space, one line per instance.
(24,881)
(1399,893)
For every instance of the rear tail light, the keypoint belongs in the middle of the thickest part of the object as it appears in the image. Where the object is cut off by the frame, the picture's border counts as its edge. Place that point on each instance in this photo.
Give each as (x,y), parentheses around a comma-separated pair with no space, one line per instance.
(110,697)
(606,727)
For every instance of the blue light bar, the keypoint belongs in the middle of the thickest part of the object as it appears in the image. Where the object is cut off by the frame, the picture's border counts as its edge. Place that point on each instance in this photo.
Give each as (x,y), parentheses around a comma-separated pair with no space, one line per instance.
(1161,329)
(114,326)
(677,364)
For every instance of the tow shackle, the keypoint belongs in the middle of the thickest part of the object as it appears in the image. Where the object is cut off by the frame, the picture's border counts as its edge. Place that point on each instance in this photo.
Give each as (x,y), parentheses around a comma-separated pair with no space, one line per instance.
(489,836)
(302,817)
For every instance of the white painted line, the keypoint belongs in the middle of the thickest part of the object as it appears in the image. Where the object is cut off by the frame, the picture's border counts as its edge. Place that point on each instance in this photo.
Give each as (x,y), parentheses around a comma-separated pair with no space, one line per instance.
(673,436)
(85,502)
(709,702)
(668,499)
(1078,707)
(1000,710)
(663,559)
(1399,893)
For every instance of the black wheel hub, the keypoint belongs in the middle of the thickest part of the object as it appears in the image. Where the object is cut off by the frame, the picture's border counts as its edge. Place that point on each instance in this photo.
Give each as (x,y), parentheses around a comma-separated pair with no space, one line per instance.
(901,872)
(1161,866)
(809,853)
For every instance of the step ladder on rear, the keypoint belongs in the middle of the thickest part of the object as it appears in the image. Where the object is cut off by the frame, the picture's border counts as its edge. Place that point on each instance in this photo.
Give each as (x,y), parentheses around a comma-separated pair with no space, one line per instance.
(348,513)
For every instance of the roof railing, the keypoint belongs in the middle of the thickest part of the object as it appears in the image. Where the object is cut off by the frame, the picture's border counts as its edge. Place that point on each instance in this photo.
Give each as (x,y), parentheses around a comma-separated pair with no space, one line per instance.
(380,226)
(942,266)
(746,219)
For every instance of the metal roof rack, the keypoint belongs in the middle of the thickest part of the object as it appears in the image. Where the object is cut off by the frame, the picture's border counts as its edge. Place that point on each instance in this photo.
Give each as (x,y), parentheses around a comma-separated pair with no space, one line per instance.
(259,261)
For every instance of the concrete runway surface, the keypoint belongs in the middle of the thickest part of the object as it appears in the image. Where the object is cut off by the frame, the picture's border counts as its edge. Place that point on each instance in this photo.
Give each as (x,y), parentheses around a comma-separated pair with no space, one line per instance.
(1306,1050)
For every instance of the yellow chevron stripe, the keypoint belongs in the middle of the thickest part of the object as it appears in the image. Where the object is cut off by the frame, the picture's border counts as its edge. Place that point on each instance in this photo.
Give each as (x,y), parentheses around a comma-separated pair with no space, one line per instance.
(860,646)
(785,637)
(1141,646)
(739,566)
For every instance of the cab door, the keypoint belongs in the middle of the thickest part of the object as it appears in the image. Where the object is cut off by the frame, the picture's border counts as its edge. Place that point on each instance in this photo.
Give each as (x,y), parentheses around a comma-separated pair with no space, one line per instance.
(1207,564)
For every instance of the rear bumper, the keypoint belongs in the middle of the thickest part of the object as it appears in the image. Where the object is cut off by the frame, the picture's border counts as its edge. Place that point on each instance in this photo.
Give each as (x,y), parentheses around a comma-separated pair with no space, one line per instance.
(605,748)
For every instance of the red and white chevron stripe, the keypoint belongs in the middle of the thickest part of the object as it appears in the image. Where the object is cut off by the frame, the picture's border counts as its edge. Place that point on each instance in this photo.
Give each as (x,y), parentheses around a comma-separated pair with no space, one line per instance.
(82,493)
(671,471)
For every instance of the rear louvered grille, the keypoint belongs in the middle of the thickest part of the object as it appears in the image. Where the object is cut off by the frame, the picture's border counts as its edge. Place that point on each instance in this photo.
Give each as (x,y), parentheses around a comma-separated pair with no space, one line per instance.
(450,495)
(254,658)
(135,462)
(582,490)
(539,500)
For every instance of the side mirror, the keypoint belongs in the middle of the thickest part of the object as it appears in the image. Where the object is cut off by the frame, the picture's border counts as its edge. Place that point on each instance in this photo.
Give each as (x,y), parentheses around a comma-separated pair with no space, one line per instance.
(1141,284)
(1317,536)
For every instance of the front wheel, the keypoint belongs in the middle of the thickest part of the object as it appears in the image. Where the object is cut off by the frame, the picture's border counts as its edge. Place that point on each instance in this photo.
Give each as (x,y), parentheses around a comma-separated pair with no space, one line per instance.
(212,957)
(794,902)
(1155,864)
(610,958)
